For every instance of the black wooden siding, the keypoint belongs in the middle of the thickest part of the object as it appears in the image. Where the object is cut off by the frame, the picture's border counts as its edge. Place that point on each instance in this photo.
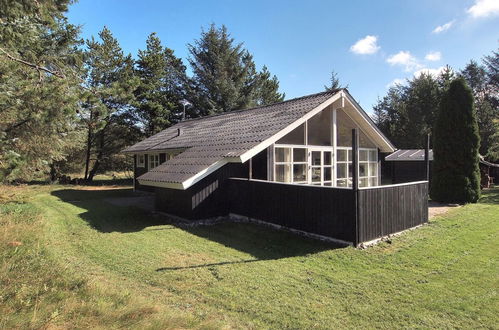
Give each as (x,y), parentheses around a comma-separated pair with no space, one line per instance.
(205,199)
(138,171)
(319,210)
(387,210)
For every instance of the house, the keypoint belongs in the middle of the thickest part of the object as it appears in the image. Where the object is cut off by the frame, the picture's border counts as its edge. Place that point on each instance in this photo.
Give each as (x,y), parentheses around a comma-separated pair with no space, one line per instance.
(290,163)
(406,165)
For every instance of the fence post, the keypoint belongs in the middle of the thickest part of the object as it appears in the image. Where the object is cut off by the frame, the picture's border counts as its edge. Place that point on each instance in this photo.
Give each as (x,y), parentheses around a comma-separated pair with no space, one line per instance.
(355,181)
(427,158)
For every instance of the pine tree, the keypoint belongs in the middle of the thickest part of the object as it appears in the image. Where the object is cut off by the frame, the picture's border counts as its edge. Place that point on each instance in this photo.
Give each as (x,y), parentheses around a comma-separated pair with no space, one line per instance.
(456,175)
(476,77)
(225,77)
(162,86)
(334,82)
(110,84)
(268,88)
(39,87)
(407,113)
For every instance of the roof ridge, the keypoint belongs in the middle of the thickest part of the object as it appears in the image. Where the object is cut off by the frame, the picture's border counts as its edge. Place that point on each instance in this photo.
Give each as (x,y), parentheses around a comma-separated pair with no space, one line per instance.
(334,91)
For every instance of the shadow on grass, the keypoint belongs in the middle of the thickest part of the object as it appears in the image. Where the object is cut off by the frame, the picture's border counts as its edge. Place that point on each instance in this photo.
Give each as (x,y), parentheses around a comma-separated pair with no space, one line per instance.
(261,242)
(490,196)
(105,217)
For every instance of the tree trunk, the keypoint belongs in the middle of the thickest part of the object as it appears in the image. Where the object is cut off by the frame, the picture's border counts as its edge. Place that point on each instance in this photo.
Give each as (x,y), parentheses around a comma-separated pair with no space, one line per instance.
(89,148)
(95,168)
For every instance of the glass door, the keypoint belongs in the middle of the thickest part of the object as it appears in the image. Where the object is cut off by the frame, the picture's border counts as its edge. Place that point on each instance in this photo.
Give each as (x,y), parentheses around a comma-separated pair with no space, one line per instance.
(321,167)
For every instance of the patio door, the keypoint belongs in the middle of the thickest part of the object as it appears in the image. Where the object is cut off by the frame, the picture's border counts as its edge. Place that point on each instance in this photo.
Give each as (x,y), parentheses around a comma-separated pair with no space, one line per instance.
(320,167)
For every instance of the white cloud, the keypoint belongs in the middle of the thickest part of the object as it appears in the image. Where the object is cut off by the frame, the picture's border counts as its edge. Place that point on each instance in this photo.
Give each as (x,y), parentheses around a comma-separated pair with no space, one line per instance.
(433,72)
(367,45)
(484,8)
(433,56)
(405,59)
(396,81)
(443,28)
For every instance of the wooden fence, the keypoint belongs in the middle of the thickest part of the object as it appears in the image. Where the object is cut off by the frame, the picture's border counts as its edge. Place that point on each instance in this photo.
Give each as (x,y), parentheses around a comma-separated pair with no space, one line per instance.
(319,210)
(386,210)
(350,215)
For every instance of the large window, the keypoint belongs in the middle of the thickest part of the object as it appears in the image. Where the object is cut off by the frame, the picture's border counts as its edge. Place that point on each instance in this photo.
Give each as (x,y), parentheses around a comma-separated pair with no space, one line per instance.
(291,165)
(368,167)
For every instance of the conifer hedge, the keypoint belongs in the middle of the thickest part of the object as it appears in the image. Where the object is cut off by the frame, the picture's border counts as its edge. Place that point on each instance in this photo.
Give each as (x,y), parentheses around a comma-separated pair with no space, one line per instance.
(456,175)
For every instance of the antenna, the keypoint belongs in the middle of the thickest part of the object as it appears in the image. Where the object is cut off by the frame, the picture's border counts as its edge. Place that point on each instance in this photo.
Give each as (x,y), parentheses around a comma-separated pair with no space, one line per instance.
(185,103)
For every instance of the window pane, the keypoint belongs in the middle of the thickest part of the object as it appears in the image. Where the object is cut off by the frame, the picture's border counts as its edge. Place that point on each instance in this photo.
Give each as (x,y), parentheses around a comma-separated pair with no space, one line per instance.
(316,174)
(282,155)
(363,169)
(282,173)
(327,173)
(327,157)
(350,159)
(319,129)
(300,172)
(363,182)
(299,155)
(373,182)
(329,184)
(341,183)
(363,155)
(341,171)
(344,126)
(373,156)
(350,170)
(364,141)
(342,155)
(296,136)
(373,169)
(316,158)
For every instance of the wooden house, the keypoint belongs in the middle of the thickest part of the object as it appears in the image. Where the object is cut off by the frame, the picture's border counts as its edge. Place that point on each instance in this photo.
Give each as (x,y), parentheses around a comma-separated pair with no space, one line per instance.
(295,163)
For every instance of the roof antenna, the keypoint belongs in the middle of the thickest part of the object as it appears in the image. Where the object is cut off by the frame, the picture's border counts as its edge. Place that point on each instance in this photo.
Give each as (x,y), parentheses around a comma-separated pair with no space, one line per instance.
(185,103)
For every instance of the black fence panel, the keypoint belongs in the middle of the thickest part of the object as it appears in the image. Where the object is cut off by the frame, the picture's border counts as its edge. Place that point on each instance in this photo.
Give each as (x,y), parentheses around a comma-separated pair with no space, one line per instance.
(391,209)
(319,210)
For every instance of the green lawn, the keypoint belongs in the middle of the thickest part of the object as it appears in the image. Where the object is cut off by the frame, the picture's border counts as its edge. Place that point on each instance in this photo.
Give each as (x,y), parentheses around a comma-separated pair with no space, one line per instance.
(86,263)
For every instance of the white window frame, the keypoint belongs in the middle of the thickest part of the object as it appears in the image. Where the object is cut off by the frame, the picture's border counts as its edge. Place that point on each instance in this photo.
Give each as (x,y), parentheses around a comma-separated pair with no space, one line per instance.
(141,160)
(153,160)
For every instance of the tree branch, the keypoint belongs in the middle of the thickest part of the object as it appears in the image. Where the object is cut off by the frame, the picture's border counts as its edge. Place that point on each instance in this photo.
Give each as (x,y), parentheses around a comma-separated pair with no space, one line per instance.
(35,66)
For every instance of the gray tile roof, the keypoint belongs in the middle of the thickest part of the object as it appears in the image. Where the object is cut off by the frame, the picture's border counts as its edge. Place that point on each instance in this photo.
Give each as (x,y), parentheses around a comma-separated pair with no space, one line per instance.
(408,155)
(210,139)
(418,154)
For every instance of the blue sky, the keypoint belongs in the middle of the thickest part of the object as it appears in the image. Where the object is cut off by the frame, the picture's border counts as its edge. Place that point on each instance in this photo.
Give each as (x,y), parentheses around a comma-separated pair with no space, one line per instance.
(370,44)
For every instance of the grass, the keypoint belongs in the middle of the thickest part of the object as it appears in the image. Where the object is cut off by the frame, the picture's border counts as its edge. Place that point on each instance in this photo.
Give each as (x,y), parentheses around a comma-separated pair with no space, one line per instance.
(86,263)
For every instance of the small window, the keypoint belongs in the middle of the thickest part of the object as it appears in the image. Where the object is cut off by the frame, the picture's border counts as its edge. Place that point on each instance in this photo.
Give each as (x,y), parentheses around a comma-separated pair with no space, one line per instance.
(153,161)
(141,160)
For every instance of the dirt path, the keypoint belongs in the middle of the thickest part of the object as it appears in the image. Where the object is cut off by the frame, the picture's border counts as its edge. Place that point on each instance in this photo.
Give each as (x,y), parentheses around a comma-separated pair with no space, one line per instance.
(435,208)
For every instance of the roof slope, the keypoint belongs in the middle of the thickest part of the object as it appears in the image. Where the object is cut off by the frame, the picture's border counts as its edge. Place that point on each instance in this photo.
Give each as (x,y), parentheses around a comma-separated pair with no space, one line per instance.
(210,139)
(418,154)
(408,155)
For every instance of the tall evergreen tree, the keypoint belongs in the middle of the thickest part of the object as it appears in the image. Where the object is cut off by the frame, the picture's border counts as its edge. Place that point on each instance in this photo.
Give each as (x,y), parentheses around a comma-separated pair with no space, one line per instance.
(39,88)
(110,84)
(456,175)
(334,82)
(225,77)
(162,85)
(407,113)
(476,77)
(268,88)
